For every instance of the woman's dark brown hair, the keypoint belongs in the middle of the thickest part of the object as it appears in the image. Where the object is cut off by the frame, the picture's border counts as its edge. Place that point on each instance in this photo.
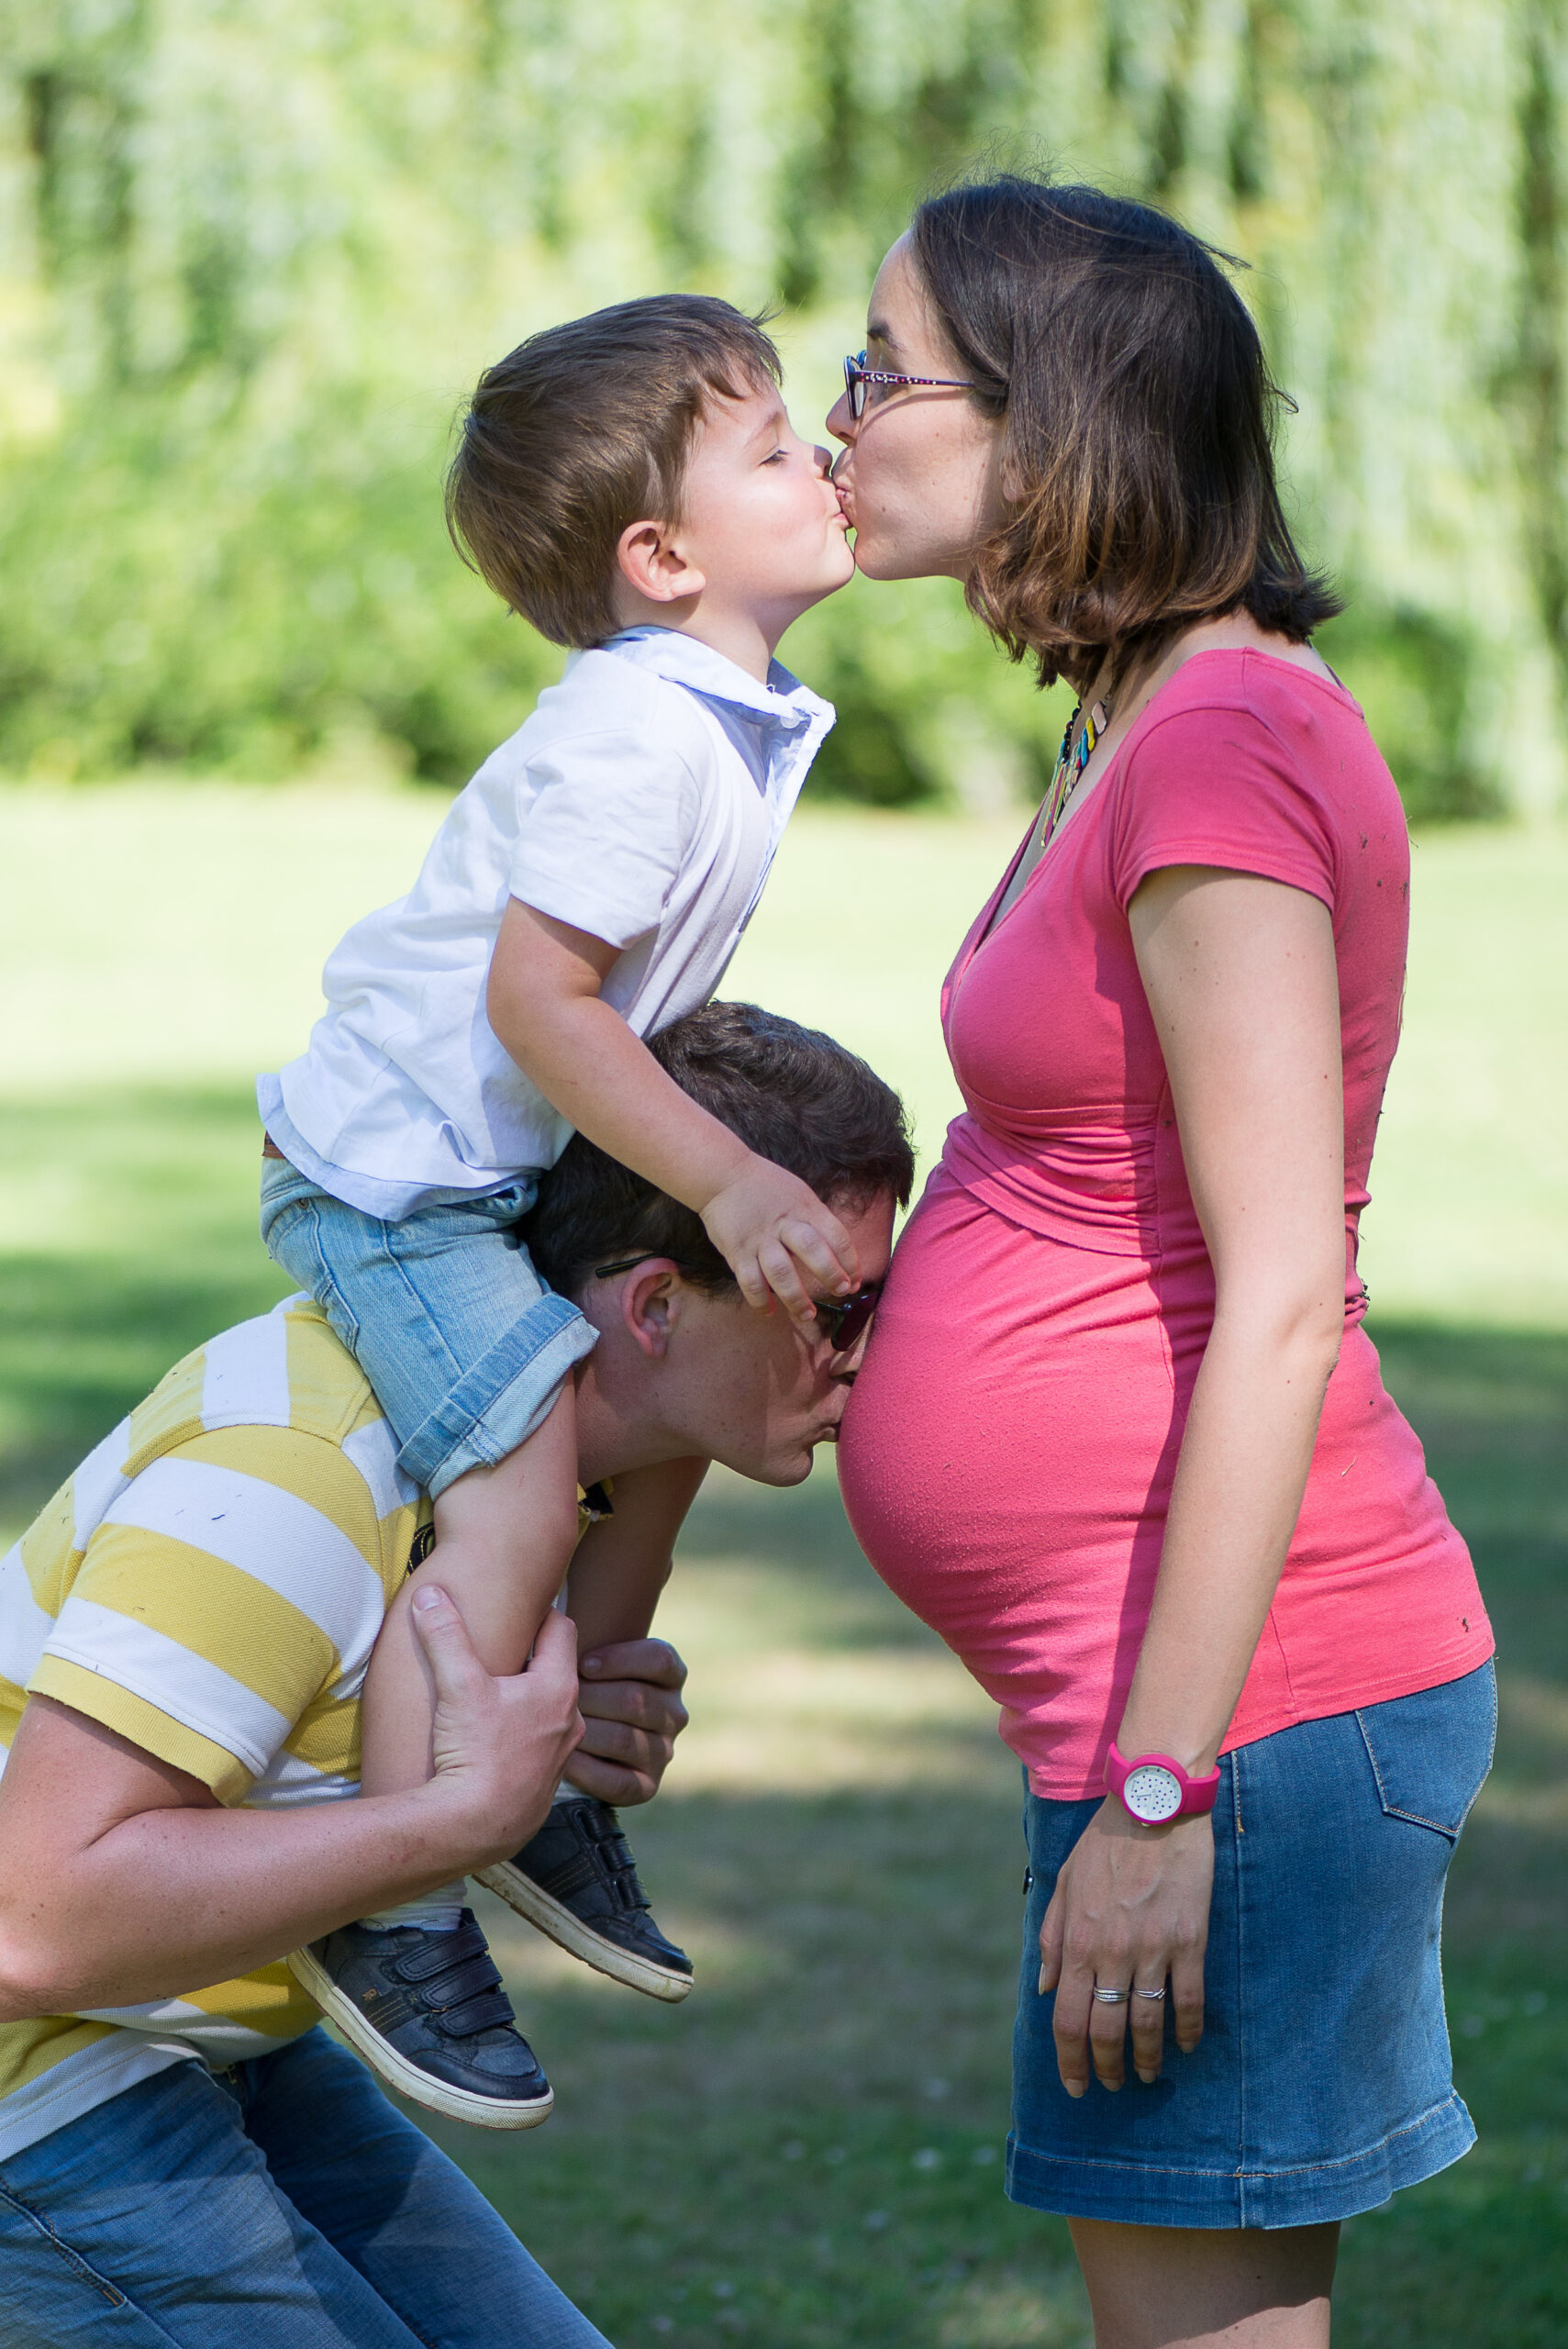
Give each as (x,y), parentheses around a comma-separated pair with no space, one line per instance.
(1137,412)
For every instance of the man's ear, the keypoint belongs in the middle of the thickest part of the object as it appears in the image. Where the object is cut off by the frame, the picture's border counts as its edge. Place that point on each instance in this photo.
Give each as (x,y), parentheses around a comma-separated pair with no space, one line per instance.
(652,563)
(651,1306)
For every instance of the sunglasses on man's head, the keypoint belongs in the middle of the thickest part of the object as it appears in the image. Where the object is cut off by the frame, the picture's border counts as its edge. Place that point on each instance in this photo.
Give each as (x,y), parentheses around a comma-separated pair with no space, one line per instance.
(844,1319)
(857,375)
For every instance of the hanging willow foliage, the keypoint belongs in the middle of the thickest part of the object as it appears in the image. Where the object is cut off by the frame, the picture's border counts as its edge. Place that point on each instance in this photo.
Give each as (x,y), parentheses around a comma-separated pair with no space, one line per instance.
(252,252)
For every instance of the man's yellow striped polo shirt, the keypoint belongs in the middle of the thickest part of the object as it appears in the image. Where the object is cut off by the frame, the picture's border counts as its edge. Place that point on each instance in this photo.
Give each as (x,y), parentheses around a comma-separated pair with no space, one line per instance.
(210,1583)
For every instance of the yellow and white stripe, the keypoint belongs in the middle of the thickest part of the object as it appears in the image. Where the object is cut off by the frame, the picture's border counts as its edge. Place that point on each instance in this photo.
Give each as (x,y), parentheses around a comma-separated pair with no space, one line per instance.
(209,1584)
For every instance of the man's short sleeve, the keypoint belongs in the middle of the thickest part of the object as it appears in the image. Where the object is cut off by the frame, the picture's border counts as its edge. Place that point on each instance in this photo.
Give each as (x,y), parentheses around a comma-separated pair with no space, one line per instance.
(232,1582)
(606,834)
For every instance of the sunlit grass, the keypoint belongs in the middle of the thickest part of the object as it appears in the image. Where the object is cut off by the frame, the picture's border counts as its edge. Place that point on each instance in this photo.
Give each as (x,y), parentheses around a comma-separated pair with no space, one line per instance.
(805,2156)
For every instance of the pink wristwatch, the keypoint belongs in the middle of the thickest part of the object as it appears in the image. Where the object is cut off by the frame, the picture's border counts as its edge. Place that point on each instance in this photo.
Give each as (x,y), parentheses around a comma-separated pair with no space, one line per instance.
(1154,1788)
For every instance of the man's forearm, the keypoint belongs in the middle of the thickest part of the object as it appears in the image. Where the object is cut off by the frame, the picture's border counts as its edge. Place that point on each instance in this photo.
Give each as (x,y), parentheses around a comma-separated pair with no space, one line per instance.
(175,1899)
(121,1879)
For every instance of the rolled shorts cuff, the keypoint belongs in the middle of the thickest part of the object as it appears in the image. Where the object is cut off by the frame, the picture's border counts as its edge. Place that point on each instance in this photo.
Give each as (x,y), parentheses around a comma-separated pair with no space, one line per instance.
(1153,2194)
(497,1404)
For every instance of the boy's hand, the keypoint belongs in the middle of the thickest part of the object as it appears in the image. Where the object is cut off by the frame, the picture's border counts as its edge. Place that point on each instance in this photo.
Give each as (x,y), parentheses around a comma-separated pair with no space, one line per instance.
(780,1241)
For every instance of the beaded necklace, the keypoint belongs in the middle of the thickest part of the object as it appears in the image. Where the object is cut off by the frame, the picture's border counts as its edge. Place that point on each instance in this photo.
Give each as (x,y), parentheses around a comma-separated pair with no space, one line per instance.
(1071,760)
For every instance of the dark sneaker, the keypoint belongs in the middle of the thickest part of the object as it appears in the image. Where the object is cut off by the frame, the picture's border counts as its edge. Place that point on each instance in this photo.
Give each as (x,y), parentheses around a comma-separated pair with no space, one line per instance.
(577,1882)
(428,2013)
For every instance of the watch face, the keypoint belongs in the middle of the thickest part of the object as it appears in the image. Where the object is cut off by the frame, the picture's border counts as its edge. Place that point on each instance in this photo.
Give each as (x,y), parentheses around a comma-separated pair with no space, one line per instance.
(1152,1794)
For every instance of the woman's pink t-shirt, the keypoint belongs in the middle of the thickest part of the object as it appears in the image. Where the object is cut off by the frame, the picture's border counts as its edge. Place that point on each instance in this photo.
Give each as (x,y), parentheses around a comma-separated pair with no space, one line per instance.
(1008,1455)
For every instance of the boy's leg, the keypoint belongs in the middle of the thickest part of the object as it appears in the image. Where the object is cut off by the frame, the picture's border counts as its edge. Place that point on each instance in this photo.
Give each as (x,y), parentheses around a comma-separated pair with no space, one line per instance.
(470,1357)
(152,2222)
(504,1540)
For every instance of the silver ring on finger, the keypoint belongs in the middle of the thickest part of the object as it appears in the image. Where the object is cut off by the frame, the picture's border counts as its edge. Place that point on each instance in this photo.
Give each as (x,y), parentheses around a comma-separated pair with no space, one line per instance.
(1110,1998)
(1148,1994)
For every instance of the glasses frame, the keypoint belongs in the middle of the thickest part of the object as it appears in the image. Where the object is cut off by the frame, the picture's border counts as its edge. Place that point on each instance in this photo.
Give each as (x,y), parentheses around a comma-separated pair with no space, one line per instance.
(844,1319)
(649,1256)
(857,375)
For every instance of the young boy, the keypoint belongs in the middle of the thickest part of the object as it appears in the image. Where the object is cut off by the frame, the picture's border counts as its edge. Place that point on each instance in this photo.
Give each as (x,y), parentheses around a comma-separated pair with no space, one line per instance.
(630,484)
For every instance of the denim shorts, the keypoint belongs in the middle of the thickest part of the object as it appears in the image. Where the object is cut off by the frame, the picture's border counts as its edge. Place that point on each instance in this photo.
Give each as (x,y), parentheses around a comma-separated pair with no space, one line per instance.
(1323,2080)
(465,1345)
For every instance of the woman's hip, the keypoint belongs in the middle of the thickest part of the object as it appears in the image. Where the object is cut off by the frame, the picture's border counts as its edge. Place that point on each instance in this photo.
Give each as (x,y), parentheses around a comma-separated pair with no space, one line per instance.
(1323,2080)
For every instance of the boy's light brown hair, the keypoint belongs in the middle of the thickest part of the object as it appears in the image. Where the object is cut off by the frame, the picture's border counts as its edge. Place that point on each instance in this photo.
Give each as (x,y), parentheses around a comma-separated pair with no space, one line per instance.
(579,432)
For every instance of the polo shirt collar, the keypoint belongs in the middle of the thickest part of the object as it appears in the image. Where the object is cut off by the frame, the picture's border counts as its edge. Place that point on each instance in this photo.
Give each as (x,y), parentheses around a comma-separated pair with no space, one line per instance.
(686,661)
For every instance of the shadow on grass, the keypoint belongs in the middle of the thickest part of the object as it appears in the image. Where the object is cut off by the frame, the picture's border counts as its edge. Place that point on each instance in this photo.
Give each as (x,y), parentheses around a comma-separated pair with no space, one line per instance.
(805,2156)
(128,1225)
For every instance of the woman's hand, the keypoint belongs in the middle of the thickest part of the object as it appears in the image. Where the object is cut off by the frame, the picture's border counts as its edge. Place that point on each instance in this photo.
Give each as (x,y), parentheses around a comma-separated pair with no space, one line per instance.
(1129,1912)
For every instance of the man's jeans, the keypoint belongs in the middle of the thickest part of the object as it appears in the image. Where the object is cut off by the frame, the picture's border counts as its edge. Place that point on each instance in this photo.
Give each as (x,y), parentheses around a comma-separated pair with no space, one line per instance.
(285,2205)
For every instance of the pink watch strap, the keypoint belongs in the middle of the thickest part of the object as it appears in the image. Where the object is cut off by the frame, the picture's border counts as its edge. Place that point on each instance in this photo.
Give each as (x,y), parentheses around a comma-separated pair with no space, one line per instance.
(1197,1794)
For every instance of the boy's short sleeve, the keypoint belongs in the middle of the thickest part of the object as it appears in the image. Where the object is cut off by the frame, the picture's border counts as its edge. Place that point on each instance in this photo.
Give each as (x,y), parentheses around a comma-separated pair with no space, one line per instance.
(1215,784)
(606,834)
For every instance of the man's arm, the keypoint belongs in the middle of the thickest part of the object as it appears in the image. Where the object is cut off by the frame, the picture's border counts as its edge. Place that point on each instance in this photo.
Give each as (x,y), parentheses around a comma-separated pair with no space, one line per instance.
(122,1879)
(631,1699)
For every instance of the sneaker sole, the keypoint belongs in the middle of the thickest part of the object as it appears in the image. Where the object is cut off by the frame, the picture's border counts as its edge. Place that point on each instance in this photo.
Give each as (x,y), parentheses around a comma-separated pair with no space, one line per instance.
(435,2096)
(553,1918)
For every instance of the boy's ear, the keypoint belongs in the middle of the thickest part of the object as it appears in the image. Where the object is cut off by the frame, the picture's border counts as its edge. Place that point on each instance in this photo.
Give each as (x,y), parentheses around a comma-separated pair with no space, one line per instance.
(652,565)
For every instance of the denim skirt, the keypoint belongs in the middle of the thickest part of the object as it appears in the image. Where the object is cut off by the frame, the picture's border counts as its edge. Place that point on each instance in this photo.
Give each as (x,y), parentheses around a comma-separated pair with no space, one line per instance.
(1323,2080)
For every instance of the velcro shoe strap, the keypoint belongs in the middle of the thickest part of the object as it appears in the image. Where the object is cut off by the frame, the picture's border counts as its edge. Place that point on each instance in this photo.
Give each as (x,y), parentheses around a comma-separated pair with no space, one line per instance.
(472,1980)
(488,2011)
(436,1952)
(607,1851)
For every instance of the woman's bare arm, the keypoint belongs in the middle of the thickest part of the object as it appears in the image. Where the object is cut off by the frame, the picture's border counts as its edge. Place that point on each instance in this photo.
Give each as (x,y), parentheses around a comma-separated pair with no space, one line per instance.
(1241,980)
(1241,977)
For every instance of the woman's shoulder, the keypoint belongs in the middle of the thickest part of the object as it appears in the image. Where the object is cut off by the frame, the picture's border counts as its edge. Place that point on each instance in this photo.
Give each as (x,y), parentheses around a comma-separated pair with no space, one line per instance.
(1240,716)
(1252,761)
(1274,687)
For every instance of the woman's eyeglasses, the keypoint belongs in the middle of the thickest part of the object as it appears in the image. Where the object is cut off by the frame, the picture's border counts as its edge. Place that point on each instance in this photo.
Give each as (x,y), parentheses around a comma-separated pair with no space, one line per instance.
(844,1319)
(857,375)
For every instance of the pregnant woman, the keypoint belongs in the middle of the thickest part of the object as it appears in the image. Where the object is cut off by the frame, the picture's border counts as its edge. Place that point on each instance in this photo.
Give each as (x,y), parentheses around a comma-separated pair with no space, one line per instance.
(1120,1435)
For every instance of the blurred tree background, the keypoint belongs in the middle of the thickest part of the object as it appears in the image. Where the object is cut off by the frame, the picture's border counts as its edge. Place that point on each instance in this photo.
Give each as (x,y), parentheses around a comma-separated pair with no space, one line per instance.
(253,252)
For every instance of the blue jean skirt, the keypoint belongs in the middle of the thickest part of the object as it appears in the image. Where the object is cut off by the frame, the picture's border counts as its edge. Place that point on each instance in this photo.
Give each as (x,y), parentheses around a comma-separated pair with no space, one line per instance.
(1323,2081)
(465,1346)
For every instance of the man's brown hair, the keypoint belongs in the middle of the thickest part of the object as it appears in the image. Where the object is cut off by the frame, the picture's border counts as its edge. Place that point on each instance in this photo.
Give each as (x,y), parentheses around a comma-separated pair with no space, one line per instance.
(1137,412)
(791,1094)
(580,430)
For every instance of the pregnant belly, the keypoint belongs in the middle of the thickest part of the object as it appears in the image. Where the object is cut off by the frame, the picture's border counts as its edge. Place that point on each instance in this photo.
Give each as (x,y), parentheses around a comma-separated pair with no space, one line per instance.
(1006,1460)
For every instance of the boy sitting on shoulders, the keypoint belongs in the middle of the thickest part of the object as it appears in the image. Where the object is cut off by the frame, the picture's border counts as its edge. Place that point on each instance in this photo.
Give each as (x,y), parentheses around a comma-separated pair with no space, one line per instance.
(631,484)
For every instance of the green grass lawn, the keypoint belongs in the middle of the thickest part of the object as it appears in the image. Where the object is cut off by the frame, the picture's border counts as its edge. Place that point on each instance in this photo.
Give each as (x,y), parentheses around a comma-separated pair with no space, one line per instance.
(807,2152)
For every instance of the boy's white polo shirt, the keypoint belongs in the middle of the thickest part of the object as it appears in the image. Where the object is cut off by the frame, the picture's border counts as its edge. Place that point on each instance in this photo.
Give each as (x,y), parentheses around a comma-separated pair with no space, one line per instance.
(643,801)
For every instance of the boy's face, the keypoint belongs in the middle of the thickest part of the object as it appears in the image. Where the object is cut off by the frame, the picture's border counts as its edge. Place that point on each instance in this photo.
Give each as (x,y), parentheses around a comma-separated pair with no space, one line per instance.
(761,519)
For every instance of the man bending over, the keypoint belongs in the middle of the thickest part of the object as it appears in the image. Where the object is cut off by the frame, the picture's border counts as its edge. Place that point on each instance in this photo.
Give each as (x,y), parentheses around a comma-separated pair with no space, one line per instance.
(183,1638)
